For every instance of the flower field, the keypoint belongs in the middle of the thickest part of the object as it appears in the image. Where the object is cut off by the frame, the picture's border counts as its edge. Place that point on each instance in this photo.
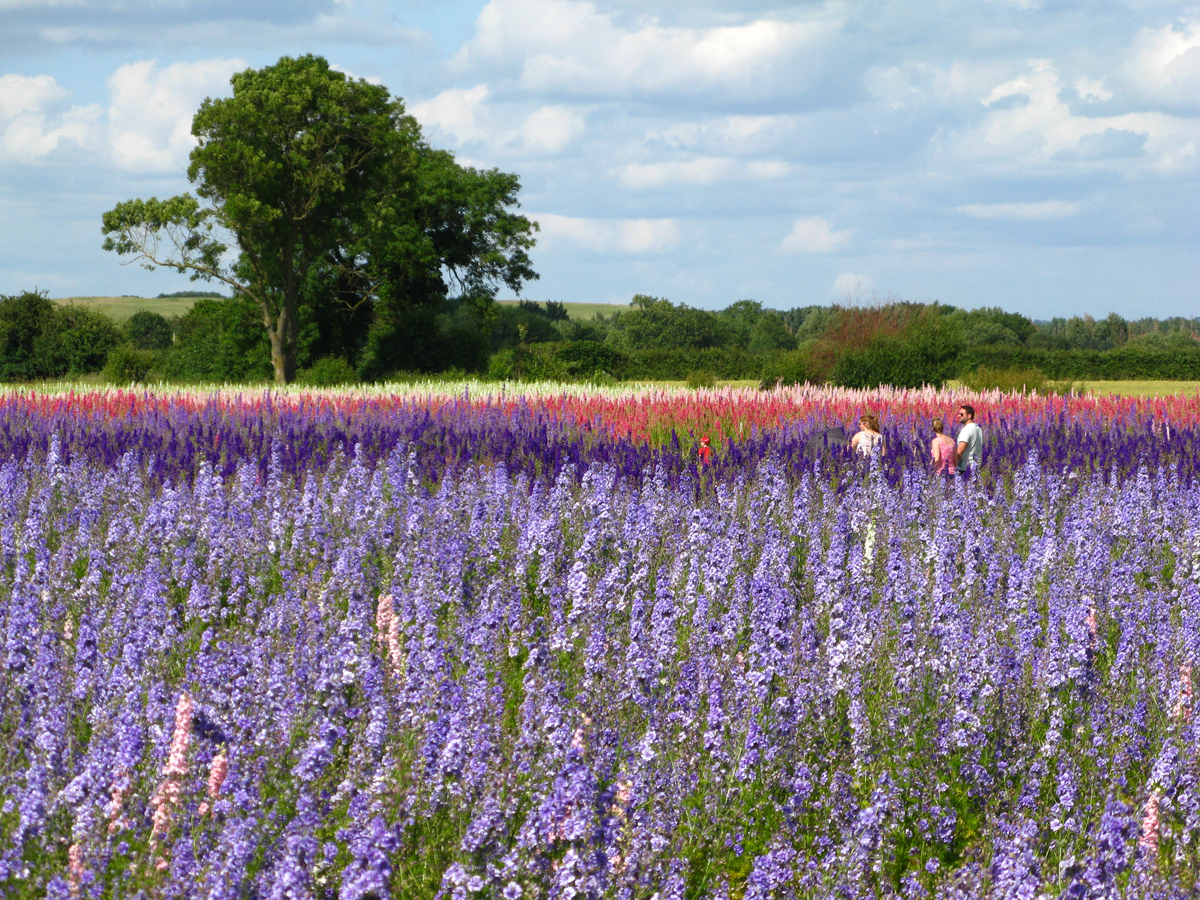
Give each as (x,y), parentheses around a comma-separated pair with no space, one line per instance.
(458,642)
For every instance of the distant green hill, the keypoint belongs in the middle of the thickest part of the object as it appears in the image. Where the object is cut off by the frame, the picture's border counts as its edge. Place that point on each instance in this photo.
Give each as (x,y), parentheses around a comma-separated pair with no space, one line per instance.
(584,311)
(121,308)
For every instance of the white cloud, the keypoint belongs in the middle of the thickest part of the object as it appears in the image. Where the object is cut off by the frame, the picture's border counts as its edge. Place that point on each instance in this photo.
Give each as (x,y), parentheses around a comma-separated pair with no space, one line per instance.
(694,172)
(1165,63)
(572,46)
(1092,89)
(20,93)
(33,123)
(767,169)
(741,137)
(151,109)
(466,117)
(1046,209)
(455,112)
(631,236)
(1028,124)
(551,128)
(813,235)
(917,82)
(700,172)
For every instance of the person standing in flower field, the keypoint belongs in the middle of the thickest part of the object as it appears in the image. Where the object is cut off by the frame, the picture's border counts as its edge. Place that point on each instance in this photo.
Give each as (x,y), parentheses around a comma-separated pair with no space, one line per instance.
(705,451)
(970,442)
(868,441)
(943,450)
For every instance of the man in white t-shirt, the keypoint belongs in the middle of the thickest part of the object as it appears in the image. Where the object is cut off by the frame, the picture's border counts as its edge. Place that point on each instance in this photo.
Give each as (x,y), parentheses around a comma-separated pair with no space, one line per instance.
(970,441)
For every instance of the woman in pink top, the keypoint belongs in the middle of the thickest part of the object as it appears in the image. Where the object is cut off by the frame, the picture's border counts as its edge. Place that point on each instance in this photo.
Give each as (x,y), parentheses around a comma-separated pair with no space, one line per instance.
(943,451)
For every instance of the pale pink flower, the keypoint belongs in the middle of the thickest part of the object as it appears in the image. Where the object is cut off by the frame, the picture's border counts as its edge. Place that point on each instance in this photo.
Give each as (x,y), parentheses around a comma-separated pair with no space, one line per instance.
(74,868)
(621,798)
(578,741)
(166,798)
(1150,824)
(216,777)
(121,787)
(1090,621)
(216,774)
(388,627)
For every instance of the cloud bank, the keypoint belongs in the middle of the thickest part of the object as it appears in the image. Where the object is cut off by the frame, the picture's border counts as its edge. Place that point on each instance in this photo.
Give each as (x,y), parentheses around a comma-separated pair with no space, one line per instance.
(1000,153)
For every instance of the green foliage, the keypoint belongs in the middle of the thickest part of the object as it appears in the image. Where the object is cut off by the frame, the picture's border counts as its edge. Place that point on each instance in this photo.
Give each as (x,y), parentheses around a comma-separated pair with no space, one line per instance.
(39,339)
(129,365)
(738,320)
(186,295)
(1175,342)
(993,326)
(419,339)
(513,325)
(770,333)
(329,371)
(588,359)
(656,324)
(924,352)
(217,341)
(1113,331)
(1136,360)
(673,365)
(84,337)
(809,322)
(786,369)
(147,330)
(595,330)
(553,311)
(538,362)
(580,361)
(700,378)
(331,319)
(27,324)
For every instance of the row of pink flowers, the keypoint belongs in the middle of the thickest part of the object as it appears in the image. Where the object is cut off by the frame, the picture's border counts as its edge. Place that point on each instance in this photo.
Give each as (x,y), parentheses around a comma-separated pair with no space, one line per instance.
(638,412)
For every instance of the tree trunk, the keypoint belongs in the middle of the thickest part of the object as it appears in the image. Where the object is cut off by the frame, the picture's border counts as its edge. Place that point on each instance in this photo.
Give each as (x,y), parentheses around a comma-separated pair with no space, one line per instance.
(279,357)
(282,334)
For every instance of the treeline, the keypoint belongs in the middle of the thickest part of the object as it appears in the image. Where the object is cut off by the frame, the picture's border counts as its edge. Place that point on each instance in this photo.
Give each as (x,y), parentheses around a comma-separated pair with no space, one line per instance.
(896,342)
(905,344)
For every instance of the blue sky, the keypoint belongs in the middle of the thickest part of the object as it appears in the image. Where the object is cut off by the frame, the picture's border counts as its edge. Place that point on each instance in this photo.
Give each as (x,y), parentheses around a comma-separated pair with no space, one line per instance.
(1037,155)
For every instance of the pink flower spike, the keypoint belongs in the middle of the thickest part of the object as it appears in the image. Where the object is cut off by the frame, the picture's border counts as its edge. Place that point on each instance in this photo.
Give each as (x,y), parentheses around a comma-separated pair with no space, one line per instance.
(1150,824)
(74,869)
(166,798)
(387,626)
(216,774)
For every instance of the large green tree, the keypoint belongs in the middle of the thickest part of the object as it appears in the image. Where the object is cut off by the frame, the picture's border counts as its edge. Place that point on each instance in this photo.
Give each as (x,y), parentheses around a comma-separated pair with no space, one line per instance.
(306,177)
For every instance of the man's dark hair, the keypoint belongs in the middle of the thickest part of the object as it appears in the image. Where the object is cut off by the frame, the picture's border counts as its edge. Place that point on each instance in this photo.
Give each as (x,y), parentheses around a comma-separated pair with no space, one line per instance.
(969,408)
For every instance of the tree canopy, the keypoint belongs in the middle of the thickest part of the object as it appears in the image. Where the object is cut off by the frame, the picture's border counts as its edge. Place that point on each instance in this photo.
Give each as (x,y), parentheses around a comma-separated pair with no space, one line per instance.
(316,190)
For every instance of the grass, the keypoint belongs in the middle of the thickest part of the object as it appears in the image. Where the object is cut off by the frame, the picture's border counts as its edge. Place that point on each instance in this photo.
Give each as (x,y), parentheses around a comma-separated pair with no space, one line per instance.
(1142,388)
(121,308)
(1125,388)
